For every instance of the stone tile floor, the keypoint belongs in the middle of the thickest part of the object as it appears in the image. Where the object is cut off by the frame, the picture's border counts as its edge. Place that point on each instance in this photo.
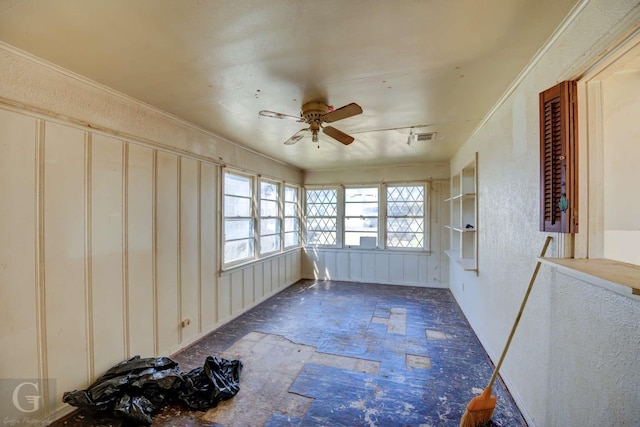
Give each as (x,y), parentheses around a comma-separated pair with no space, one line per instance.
(333,353)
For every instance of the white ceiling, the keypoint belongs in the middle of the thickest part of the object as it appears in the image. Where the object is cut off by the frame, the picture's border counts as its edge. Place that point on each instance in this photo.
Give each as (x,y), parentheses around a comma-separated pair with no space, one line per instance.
(436,65)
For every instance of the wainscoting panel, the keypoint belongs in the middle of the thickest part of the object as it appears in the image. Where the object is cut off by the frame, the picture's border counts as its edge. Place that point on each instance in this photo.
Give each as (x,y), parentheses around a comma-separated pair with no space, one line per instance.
(68,302)
(19,301)
(140,258)
(189,249)
(374,266)
(208,246)
(107,281)
(167,272)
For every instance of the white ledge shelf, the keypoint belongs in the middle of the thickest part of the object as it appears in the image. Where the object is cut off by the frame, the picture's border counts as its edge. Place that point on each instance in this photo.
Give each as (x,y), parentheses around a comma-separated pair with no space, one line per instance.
(460,196)
(460,229)
(617,276)
(468,264)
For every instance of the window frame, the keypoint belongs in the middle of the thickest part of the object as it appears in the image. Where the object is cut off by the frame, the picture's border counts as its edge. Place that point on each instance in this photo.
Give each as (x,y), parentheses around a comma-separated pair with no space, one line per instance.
(260,217)
(227,264)
(382,216)
(344,216)
(297,216)
(339,214)
(426,215)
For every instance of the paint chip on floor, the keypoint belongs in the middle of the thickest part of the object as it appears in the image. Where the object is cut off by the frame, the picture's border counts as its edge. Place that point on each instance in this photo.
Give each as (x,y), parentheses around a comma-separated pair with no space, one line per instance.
(433,334)
(418,362)
(396,323)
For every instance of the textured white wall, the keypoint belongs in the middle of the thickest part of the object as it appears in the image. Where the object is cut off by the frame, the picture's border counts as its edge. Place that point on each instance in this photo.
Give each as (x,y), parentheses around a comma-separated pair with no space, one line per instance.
(574,360)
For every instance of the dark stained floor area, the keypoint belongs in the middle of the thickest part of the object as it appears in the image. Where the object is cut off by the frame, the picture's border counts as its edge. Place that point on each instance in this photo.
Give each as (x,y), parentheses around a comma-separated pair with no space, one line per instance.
(344,354)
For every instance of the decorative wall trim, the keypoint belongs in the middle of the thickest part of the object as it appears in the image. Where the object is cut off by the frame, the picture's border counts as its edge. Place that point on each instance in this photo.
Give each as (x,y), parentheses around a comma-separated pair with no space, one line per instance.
(88,255)
(125,249)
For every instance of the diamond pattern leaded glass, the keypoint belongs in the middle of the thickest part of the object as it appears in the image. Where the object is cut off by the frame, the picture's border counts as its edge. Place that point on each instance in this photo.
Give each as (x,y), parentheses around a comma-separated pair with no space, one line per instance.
(405,216)
(321,213)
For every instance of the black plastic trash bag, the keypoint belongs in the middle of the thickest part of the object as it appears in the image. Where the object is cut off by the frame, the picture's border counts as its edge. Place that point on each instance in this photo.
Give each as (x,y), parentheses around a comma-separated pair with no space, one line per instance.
(204,387)
(135,388)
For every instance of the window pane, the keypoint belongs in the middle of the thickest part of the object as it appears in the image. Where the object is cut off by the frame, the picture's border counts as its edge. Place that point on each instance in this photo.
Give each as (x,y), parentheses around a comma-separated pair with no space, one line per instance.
(268,208)
(353,239)
(237,206)
(291,224)
(237,185)
(269,243)
(361,209)
(322,216)
(290,209)
(237,250)
(321,238)
(317,209)
(369,194)
(268,190)
(290,194)
(314,224)
(291,239)
(238,228)
(269,226)
(405,216)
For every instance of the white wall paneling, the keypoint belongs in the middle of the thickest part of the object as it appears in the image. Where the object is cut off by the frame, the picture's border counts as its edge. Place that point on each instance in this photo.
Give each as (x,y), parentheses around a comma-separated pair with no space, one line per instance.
(375,266)
(208,245)
(68,284)
(106,236)
(140,250)
(19,293)
(189,248)
(108,245)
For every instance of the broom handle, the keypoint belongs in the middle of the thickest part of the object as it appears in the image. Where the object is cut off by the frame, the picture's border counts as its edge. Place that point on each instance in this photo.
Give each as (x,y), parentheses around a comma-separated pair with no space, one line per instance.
(515,324)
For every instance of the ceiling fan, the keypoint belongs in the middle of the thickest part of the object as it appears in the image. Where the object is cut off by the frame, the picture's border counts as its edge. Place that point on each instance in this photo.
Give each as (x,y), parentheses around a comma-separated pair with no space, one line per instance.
(315,114)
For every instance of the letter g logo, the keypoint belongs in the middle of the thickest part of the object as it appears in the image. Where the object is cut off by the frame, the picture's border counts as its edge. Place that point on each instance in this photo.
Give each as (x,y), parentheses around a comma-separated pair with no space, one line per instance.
(34,400)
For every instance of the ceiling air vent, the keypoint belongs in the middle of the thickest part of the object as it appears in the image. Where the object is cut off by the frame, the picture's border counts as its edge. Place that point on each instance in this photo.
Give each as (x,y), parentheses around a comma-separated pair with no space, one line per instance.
(421,137)
(427,136)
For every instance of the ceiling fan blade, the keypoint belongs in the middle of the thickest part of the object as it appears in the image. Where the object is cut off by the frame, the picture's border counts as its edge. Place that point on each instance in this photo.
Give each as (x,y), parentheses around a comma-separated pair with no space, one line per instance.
(273,114)
(296,137)
(349,110)
(338,135)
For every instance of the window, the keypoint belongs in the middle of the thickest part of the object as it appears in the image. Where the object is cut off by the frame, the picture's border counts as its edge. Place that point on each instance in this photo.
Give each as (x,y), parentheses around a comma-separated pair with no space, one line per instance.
(291,217)
(361,216)
(610,129)
(358,217)
(405,216)
(322,217)
(269,217)
(238,218)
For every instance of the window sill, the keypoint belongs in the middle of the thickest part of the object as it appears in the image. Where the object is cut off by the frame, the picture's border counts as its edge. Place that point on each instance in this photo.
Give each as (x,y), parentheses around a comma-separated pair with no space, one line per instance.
(234,267)
(619,277)
(368,250)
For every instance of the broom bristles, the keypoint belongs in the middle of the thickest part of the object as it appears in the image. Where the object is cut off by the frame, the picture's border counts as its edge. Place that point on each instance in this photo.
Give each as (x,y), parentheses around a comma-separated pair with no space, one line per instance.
(476,418)
(479,410)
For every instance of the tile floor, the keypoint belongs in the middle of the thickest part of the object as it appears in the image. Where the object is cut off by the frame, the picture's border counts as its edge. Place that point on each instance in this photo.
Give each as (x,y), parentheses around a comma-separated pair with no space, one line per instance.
(344,354)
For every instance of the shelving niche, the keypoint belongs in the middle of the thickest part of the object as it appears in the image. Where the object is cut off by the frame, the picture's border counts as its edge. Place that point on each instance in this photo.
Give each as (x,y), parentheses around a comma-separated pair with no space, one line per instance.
(463,219)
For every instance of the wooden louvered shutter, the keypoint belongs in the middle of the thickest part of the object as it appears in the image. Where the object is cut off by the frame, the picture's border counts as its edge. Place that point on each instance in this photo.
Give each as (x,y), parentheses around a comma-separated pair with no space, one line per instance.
(558,159)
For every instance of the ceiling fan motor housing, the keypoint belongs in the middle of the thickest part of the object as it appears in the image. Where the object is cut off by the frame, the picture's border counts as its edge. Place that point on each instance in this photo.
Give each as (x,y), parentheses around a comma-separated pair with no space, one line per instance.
(314,112)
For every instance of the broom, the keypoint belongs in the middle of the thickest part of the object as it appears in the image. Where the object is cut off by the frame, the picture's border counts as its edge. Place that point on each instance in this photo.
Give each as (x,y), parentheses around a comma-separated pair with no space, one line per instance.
(480,408)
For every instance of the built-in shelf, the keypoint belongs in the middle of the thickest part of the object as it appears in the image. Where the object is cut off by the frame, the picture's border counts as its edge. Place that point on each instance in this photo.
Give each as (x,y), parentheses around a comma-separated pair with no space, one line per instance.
(461,196)
(468,264)
(460,229)
(463,208)
(608,273)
